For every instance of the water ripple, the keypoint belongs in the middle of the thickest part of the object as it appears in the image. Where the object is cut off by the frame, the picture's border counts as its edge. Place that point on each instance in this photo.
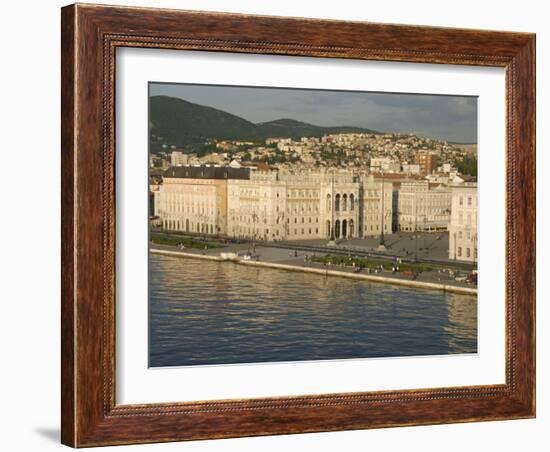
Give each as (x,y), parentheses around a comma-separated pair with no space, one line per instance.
(207,312)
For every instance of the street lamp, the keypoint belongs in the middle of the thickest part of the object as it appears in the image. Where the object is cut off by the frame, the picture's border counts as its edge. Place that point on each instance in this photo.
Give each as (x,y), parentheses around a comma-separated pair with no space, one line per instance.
(382,245)
(454,240)
(415,229)
(332,240)
(254,218)
(382,212)
(202,221)
(424,233)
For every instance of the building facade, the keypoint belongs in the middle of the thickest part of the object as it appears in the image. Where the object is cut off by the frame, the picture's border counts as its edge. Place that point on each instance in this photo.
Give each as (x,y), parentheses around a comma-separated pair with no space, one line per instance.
(273,205)
(377,206)
(385,164)
(426,161)
(410,168)
(194,199)
(178,158)
(423,206)
(463,237)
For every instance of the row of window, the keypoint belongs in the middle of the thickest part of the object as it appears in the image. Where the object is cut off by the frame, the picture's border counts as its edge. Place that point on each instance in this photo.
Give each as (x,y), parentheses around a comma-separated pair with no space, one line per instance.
(250,231)
(468,218)
(177,225)
(302,194)
(468,252)
(461,201)
(250,219)
(468,235)
(341,201)
(425,202)
(289,194)
(310,208)
(180,208)
(374,228)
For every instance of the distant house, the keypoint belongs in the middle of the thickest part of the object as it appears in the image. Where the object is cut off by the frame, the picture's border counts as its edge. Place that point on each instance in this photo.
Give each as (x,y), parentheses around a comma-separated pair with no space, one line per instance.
(463,222)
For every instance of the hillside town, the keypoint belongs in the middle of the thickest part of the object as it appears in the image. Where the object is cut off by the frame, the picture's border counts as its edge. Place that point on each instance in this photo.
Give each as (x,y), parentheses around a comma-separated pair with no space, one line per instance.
(397,153)
(338,188)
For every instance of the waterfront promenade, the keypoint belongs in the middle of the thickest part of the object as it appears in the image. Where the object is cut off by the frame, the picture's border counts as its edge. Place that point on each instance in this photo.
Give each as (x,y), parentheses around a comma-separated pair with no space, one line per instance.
(296,259)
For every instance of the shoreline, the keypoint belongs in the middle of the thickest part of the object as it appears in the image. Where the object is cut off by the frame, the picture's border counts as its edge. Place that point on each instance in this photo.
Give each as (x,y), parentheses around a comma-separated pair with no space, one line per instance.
(325,272)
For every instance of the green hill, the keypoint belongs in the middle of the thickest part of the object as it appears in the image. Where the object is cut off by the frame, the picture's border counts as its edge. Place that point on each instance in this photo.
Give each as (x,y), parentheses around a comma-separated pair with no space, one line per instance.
(176,122)
(290,128)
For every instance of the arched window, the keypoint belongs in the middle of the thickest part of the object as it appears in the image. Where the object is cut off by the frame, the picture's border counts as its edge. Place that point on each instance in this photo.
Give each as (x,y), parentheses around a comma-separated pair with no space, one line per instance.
(329,203)
(345,202)
(351,202)
(337,203)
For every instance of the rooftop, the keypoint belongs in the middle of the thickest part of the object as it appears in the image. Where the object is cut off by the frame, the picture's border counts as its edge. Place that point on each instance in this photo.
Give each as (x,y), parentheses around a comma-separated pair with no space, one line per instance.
(207,172)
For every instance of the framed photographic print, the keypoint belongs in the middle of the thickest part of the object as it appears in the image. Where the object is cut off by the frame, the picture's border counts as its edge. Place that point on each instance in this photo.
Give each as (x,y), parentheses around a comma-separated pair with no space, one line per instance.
(281,225)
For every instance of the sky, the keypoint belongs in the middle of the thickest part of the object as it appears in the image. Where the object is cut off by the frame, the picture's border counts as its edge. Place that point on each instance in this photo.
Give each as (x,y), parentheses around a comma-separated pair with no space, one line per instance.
(451,118)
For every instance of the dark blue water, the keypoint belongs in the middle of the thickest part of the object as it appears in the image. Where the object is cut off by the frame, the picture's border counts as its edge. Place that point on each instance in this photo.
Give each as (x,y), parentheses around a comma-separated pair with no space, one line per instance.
(206,312)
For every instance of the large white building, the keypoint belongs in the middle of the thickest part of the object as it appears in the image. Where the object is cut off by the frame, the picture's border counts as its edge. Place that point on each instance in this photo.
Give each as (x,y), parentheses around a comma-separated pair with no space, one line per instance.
(194,198)
(377,206)
(423,206)
(410,168)
(274,205)
(178,158)
(463,223)
(385,164)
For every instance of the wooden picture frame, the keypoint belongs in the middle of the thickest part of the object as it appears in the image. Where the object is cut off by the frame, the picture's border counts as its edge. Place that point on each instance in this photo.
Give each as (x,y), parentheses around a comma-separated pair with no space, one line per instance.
(90,36)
